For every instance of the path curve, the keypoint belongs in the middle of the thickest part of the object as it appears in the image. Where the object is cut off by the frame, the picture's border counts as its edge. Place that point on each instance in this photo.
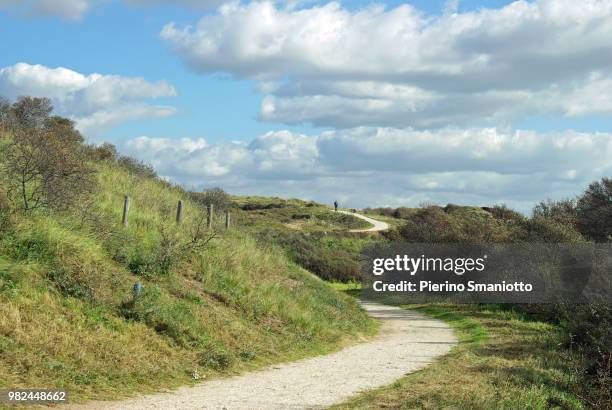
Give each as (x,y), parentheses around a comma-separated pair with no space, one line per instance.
(408,341)
(378,225)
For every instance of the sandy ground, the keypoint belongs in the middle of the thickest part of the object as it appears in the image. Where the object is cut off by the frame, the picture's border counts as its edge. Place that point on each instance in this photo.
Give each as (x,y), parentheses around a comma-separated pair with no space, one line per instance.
(378,225)
(408,341)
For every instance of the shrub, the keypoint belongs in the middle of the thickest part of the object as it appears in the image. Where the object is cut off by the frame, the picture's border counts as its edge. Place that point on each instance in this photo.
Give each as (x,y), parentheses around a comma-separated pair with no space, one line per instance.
(400,213)
(449,208)
(45,171)
(69,285)
(44,159)
(217,359)
(504,213)
(434,225)
(28,112)
(137,167)
(594,211)
(403,213)
(562,211)
(218,198)
(329,264)
(104,152)
(549,230)
(254,206)
(166,246)
(380,211)
(588,330)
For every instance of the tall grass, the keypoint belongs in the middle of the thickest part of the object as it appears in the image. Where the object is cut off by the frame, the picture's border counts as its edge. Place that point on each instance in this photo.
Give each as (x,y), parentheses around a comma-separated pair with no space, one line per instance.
(69,319)
(503,361)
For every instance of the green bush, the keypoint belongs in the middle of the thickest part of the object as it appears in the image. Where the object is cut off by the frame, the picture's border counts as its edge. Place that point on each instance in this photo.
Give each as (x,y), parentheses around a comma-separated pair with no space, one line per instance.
(594,211)
(308,252)
(68,284)
(504,213)
(400,213)
(542,229)
(218,198)
(435,225)
(588,332)
(136,167)
(587,327)
(216,359)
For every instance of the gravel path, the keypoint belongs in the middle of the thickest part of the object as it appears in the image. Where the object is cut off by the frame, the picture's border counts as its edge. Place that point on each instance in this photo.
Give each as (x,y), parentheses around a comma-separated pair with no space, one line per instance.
(408,341)
(378,225)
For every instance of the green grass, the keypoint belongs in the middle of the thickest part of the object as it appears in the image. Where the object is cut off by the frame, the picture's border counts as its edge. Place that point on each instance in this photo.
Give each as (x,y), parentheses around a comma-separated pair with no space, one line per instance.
(346,286)
(503,361)
(311,234)
(68,318)
(258,213)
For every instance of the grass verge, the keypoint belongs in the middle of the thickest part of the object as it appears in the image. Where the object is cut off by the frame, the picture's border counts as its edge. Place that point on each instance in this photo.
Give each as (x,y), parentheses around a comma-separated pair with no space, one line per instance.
(503,361)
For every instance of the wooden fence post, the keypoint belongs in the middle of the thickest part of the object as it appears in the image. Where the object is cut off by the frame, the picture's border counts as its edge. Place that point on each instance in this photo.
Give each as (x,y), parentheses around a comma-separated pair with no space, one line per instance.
(227,220)
(210,216)
(126,210)
(179,212)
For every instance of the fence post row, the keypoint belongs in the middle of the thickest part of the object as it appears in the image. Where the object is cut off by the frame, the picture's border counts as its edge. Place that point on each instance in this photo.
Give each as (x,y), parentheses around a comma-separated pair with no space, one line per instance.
(126,210)
(179,214)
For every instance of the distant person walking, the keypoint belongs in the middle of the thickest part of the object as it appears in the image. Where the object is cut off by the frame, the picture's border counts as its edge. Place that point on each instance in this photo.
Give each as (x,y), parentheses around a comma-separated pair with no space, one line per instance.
(336,206)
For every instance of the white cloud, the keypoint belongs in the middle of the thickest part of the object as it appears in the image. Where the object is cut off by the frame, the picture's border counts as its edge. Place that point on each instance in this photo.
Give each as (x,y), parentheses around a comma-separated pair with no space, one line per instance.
(386,166)
(399,67)
(94,101)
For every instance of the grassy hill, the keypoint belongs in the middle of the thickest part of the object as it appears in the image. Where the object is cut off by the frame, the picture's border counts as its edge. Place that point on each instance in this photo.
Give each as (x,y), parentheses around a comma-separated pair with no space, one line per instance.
(68,318)
(312,235)
(293,214)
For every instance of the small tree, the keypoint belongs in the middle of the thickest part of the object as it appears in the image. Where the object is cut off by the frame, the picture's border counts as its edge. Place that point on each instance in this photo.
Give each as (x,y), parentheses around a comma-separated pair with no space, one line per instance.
(44,171)
(31,112)
(594,211)
(174,247)
(43,158)
(105,152)
(563,211)
(220,199)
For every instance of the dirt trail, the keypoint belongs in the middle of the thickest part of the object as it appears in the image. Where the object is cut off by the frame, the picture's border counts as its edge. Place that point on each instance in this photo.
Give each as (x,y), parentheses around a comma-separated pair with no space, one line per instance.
(378,225)
(408,341)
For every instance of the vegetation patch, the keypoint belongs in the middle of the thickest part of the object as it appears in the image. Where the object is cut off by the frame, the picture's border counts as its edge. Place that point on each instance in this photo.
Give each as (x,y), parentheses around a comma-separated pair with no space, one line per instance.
(504,361)
(102,308)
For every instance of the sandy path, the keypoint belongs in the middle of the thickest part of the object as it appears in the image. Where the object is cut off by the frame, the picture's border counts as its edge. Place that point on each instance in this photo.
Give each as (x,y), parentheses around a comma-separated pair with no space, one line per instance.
(378,225)
(408,341)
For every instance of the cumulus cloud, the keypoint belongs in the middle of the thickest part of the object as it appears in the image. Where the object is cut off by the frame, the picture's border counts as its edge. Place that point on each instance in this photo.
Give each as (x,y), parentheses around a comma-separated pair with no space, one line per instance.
(388,166)
(94,101)
(331,66)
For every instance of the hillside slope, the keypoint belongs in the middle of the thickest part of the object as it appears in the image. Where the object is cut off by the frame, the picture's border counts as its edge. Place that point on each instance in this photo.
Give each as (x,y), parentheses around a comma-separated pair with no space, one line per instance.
(68,318)
(312,235)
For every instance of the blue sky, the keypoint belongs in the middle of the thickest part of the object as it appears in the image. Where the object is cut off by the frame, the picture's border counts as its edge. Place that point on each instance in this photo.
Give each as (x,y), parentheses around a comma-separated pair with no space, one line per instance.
(123,40)
(282,99)
(115,38)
